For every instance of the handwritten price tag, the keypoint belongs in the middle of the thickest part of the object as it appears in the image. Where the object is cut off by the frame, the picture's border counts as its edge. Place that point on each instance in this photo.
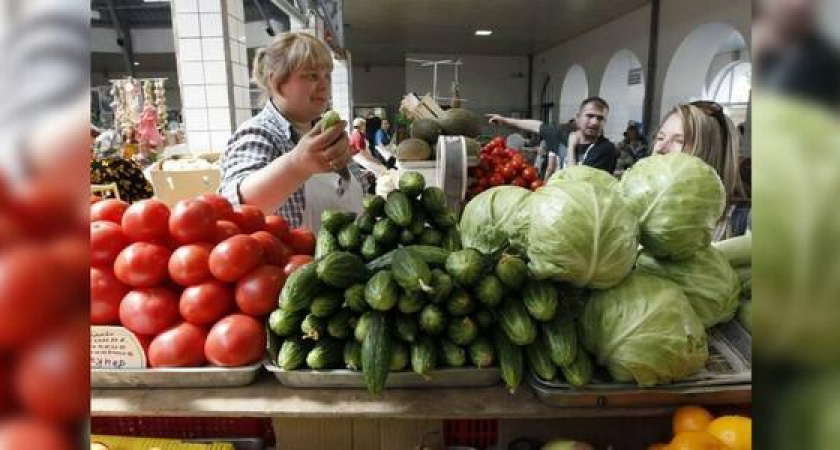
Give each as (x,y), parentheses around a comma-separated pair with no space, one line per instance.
(115,348)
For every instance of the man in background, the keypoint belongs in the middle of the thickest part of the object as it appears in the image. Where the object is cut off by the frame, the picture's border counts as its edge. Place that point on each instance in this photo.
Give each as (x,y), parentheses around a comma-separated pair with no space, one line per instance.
(587,144)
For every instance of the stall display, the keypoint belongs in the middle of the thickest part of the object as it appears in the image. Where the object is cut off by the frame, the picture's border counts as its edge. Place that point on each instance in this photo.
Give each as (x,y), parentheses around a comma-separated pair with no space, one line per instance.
(193,283)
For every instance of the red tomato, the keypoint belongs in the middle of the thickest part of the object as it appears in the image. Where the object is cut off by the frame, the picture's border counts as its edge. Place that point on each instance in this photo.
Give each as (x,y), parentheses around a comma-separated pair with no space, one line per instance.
(11,232)
(146,220)
(30,298)
(142,264)
(192,221)
(499,152)
(237,340)
(206,303)
(71,255)
(529,174)
(479,172)
(225,229)
(221,206)
(43,208)
(484,182)
(536,184)
(52,378)
(110,209)
(277,226)
(274,251)
(257,293)
(295,262)
(484,164)
(106,293)
(179,346)
(189,265)
(498,141)
(508,172)
(518,181)
(301,240)
(149,310)
(32,434)
(107,240)
(248,218)
(496,180)
(234,257)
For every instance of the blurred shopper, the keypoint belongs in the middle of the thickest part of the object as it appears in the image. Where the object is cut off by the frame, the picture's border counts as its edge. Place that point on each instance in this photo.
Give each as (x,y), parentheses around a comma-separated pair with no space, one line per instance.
(791,55)
(631,149)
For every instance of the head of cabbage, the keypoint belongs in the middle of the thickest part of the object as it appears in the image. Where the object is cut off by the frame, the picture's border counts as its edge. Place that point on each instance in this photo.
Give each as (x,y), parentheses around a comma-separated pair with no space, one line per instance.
(496,220)
(584,173)
(708,281)
(678,199)
(582,234)
(644,331)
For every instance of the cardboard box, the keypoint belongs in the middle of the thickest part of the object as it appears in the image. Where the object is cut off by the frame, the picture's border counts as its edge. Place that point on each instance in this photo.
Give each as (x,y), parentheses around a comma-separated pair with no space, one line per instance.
(172,185)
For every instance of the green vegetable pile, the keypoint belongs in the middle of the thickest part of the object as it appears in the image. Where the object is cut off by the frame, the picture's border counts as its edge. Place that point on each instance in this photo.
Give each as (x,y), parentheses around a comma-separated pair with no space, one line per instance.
(390,290)
(618,275)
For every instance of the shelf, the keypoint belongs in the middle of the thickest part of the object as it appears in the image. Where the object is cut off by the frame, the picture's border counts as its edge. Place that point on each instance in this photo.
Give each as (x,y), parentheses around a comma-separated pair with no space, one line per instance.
(267,398)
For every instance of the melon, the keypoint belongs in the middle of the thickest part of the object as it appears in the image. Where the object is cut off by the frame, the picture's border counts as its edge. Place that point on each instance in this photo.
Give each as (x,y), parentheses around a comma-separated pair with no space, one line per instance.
(460,122)
(413,149)
(473,147)
(426,129)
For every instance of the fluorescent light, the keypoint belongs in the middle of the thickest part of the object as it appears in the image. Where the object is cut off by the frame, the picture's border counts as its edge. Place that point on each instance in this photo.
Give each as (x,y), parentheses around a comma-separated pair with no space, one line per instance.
(483,32)
(136,63)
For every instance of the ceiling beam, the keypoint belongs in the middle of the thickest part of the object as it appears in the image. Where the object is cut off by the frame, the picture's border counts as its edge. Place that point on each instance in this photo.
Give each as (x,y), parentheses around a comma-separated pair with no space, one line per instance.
(123,39)
(292,10)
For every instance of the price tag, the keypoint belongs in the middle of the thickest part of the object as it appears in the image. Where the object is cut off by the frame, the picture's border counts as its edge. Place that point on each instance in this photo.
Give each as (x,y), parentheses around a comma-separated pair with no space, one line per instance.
(115,348)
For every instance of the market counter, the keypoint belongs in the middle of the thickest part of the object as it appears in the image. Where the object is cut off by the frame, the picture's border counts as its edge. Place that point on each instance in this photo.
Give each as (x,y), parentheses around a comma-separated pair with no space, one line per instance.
(267,398)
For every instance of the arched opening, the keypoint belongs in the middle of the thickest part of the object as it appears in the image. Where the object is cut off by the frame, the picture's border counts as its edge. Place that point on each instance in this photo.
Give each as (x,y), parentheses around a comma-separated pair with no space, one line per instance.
(697,69)
(623,87)
(575,89)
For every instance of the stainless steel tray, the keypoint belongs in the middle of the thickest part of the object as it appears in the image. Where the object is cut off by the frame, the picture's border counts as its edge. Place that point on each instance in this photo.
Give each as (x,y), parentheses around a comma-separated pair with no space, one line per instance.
(193,377)
(238,443)
(727,375)
(349,379)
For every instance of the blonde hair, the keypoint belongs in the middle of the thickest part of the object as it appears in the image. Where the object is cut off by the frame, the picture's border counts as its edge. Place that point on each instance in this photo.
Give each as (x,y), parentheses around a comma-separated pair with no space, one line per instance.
(288,52)
(704,138)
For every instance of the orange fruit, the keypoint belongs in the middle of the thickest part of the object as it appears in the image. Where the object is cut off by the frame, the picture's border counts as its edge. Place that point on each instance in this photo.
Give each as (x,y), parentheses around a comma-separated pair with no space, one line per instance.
(734,431)
(691,418)
(696,440)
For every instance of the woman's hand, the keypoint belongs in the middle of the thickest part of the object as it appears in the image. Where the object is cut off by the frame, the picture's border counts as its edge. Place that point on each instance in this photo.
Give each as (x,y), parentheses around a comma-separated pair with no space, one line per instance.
(322,152)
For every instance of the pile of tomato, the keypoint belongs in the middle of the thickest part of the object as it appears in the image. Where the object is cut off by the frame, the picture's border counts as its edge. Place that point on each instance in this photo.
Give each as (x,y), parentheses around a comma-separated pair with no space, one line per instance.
(44,334)
(499,166)
(193,282)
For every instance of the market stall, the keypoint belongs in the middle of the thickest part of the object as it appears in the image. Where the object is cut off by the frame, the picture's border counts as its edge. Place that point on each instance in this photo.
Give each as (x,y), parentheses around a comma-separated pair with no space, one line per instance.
(531,304)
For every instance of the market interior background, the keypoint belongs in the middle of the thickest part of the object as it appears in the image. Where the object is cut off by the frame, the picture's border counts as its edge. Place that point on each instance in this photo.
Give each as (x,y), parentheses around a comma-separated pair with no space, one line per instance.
(540,61)
(542,58)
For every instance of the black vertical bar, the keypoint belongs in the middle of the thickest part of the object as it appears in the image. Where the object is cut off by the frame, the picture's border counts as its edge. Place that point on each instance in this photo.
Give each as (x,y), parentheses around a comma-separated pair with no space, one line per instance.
(530,85)
(650,76)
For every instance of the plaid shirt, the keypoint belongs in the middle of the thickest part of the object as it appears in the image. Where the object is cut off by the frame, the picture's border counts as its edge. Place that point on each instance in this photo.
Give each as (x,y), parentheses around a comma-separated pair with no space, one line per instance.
(260,140)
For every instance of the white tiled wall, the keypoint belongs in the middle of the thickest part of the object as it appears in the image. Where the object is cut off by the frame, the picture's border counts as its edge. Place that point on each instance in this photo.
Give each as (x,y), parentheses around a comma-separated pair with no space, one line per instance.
(213,69)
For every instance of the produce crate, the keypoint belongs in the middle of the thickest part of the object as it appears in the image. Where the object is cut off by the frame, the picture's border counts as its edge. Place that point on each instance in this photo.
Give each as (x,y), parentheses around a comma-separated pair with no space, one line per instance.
(727,379)
(479,434)
(242,432)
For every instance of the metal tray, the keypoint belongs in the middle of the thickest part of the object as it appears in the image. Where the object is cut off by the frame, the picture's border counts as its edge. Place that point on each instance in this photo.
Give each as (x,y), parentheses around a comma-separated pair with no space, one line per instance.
(349,379)
(193,377)
(238,443)
(727,377)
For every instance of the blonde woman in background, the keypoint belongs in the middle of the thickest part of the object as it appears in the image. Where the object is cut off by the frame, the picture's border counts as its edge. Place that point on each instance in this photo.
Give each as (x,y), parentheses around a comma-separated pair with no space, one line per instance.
(274,154)
(702,129)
